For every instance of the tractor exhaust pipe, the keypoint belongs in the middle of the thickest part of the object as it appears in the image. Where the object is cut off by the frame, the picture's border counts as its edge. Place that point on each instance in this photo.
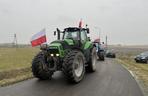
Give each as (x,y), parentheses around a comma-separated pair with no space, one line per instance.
(58,31)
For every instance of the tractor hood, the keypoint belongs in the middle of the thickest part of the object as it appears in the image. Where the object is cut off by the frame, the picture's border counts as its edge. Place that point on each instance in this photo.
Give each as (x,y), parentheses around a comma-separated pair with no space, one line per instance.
(69,41)
(63,42)
(55,49)
(54,45)
(59,46)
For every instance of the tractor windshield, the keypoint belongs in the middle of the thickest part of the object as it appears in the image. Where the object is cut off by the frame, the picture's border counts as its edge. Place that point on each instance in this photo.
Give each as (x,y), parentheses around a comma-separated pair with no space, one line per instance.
(69,35)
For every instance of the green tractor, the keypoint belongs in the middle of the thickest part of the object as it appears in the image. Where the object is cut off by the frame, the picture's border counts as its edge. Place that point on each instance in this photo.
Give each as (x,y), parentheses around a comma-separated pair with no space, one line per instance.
(73,54)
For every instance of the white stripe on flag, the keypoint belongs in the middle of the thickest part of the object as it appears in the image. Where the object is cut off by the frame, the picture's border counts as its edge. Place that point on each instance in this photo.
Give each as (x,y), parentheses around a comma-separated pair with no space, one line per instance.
(38,35)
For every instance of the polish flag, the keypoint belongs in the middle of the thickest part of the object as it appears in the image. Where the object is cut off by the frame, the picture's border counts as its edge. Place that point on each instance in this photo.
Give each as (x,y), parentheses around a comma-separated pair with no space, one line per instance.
(39,38)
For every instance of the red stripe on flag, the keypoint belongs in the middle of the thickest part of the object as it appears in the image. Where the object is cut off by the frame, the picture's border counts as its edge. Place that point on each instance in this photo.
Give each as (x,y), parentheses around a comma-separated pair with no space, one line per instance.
(38,41)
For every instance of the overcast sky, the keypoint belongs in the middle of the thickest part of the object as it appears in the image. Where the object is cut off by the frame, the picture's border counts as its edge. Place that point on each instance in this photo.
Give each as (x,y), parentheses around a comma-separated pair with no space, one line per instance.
(123,21)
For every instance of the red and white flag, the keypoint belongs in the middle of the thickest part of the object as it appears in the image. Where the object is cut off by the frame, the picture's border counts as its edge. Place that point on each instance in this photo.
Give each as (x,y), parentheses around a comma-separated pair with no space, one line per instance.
(39,38)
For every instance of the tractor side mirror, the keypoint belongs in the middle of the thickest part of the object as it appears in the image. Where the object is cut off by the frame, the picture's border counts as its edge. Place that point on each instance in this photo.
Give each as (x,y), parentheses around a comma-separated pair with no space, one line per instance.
(87,30)
(55,33)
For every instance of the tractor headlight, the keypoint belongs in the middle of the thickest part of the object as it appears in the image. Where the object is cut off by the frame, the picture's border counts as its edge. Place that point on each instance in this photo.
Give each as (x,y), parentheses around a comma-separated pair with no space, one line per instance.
(57,54)
(52,55)
(143,58)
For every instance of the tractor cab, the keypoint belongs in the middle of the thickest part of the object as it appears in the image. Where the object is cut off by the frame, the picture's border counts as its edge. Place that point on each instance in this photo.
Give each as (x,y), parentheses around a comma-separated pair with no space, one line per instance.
(71,33)
(76,34)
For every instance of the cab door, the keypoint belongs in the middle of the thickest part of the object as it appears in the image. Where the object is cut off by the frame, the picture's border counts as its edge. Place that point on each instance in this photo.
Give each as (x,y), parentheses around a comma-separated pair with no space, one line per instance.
(83,37)
(84,40)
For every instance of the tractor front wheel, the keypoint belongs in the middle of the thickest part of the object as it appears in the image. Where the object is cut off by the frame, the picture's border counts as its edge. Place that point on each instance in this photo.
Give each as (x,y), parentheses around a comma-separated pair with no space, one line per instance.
(101,56)
(39,67)
(74,66)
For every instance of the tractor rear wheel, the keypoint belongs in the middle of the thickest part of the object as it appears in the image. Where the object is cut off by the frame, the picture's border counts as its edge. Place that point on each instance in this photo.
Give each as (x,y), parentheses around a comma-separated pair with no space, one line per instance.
(74,66)
(102,57)
(93,60)
(39,67)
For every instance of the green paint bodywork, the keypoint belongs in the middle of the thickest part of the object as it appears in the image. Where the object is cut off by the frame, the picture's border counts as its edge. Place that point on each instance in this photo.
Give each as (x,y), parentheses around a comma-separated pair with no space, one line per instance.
(62,52)
(59,47)
(87,45)
(54,45)
(69,41)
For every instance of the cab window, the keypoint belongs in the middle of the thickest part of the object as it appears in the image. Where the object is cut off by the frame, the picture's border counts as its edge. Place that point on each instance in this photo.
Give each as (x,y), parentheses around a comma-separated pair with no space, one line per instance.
(83,35)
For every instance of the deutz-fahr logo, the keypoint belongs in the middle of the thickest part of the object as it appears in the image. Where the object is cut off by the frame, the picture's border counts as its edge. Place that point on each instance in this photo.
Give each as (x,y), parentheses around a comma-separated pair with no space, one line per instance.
(53,47)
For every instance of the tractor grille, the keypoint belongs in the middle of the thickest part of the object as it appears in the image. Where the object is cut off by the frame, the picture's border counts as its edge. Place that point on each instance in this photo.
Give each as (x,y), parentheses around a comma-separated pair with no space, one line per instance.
(53,51)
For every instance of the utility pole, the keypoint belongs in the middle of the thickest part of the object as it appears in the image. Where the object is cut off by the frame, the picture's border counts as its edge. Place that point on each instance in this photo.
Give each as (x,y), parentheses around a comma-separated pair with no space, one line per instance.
(15,41)
(106,42)
(100,33)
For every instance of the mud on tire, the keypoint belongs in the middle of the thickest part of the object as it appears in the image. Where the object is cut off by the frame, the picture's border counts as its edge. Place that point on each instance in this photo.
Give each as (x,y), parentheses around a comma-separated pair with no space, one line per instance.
(74,66)
(39,67)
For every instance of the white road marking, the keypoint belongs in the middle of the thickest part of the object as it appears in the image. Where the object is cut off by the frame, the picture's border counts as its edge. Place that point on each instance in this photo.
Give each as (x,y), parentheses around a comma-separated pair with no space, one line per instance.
(132,73)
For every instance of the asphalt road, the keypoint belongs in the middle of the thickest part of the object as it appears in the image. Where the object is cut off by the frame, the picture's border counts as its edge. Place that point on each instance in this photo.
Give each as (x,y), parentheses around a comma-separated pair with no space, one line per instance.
(110,79)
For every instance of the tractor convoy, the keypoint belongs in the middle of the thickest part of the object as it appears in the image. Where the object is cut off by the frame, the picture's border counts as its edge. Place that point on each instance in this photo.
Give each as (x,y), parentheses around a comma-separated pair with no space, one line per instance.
(73,54)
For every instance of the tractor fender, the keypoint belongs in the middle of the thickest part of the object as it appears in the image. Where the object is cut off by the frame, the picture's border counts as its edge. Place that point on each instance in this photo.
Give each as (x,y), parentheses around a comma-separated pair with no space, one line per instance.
(77,48)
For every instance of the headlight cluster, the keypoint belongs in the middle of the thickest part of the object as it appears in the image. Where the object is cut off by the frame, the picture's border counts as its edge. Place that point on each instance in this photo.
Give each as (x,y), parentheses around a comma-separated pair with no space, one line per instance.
(143,57)
(54,55)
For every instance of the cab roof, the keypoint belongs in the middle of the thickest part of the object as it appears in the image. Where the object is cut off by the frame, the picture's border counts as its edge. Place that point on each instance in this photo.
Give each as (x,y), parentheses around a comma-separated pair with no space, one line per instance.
(71,29)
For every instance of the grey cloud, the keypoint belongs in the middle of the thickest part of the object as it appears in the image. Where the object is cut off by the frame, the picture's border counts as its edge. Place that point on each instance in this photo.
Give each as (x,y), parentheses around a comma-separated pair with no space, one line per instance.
(121,20)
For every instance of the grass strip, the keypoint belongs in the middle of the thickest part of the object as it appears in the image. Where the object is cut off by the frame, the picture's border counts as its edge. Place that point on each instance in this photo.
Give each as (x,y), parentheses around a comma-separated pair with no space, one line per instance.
(14,76)
(140,70)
